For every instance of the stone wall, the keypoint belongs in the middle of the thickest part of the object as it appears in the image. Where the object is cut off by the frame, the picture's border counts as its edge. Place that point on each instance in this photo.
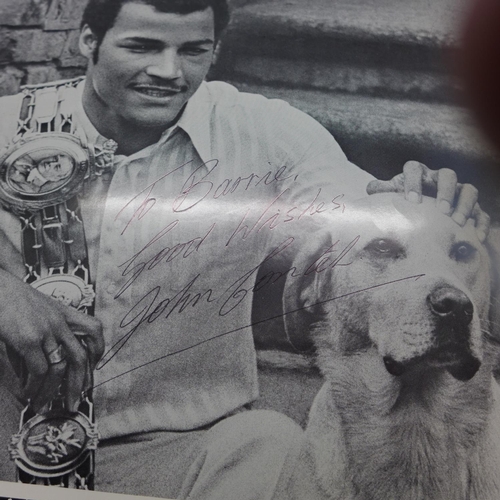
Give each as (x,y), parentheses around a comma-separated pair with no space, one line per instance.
(39,42)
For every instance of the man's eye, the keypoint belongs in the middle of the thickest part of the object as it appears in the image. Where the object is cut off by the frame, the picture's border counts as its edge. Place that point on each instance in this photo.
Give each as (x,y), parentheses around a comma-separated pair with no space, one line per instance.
(463,251)
(138,48)
(194,51)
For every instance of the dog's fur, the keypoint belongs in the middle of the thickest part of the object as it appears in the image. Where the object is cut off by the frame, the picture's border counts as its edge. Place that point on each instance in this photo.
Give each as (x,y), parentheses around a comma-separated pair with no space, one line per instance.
(403,414)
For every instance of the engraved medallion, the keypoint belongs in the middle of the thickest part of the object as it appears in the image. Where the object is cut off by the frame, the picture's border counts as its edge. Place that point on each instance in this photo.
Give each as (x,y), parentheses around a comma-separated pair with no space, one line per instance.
(41,170)
(53,443)
(69,289)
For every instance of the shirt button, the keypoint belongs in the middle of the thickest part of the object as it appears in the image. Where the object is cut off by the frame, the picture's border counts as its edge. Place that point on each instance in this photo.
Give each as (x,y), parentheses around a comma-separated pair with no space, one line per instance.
(112,289)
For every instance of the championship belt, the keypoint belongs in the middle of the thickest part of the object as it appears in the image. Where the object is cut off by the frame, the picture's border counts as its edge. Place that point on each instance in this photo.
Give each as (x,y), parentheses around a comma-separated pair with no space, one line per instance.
(42,174)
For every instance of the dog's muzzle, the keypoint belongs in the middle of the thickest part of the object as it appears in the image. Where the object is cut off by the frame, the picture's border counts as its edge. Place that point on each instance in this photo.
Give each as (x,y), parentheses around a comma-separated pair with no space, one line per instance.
(452,312)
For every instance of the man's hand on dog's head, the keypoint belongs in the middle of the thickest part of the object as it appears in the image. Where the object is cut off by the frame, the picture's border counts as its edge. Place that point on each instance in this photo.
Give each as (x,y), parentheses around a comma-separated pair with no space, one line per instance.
(454,199)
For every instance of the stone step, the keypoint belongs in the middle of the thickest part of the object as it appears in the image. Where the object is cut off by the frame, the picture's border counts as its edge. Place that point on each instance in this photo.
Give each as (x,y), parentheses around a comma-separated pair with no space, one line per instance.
(381,134)
(372,47)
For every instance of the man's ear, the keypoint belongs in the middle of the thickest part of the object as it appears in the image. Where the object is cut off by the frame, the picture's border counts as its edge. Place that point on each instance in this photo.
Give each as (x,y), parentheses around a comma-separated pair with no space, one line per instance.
(87,43)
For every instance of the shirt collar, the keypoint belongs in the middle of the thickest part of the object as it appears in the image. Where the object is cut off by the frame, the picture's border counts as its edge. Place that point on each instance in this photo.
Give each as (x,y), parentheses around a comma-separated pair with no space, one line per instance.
(195,121)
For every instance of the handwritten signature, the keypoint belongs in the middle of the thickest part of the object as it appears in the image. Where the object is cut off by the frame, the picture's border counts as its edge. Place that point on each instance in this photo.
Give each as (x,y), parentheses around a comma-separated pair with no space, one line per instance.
(152,307)
(244,327)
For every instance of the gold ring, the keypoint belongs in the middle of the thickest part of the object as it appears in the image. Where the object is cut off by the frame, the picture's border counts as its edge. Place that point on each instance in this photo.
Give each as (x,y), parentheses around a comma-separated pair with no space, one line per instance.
(56,356)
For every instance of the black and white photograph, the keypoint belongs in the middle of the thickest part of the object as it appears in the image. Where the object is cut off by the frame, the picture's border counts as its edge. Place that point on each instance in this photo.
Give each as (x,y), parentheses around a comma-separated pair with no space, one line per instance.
(250,249)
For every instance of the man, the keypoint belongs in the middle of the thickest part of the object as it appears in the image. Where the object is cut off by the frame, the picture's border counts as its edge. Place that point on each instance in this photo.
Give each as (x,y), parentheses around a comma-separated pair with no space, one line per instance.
(48,174)
(19,173)
(206,185)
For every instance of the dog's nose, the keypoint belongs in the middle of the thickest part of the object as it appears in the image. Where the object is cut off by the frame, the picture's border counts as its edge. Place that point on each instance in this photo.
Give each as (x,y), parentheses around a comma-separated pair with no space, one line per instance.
(451,304)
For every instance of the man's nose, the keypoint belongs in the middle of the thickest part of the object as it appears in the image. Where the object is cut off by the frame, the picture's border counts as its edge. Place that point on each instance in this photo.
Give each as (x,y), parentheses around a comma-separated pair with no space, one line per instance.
(165,65)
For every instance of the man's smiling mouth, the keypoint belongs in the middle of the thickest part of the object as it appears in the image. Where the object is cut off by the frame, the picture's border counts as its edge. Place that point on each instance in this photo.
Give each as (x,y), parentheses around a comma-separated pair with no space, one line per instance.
(156,91)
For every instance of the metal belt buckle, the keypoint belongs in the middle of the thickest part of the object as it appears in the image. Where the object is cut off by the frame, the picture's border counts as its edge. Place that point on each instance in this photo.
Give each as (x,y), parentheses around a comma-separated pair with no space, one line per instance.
(52,444)
(42,169)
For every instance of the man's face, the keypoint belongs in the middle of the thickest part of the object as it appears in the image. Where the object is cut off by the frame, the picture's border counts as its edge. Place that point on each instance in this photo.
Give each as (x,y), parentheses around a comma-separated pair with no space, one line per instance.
(56,168)
(150,63)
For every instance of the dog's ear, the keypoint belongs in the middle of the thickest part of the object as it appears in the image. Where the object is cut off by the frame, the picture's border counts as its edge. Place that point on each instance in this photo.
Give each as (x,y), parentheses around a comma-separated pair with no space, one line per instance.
(304,290)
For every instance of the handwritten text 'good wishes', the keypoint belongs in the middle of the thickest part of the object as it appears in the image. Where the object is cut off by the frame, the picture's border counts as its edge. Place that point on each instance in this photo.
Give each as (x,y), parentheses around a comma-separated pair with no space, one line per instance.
(269,218)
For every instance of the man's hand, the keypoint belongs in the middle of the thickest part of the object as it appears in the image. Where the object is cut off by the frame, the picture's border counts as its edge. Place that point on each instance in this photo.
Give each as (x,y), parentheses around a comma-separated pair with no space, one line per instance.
(454,199)
(34,326)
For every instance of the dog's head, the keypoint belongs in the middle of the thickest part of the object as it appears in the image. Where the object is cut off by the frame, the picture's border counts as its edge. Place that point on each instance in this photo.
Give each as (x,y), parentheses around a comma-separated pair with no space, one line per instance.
(399,277)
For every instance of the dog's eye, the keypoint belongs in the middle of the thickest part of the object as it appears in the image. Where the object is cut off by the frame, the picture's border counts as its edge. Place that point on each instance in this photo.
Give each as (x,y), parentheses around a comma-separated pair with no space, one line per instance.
(385,248)
(382,246)
(463,251)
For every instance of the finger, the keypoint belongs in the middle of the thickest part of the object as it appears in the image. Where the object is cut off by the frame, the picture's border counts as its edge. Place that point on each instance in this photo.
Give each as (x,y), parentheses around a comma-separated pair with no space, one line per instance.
(446,190)
(51,386)
(467,199)
(413,172)
(90,328)
(95,349)
(394,185)
(76,366)
(482,223)
(75,384)
(17,362)
(37,367)
(56,362)
(89,371)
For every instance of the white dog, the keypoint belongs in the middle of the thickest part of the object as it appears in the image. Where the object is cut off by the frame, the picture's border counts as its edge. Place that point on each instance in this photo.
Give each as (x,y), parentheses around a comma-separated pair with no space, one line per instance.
(397,299)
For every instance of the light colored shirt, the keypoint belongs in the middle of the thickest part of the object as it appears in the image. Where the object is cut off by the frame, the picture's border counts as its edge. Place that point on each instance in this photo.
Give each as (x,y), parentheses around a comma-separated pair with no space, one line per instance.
(175,240)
